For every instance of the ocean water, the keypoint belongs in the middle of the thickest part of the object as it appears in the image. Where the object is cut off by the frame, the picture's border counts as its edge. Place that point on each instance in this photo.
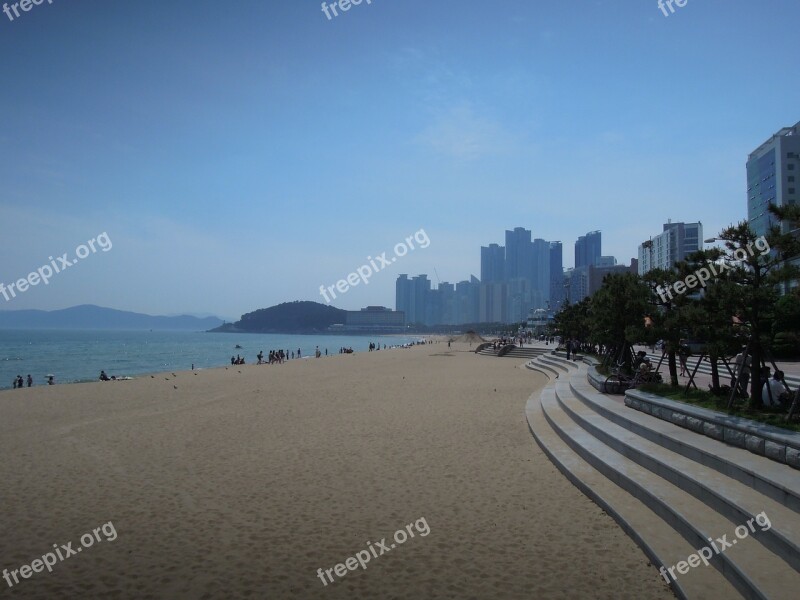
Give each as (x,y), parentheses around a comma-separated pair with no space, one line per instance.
(75,356)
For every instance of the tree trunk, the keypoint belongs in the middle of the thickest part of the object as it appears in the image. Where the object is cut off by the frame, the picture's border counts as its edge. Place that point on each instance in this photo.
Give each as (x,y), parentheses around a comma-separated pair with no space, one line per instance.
(755,377)
(673,369)
(714,375)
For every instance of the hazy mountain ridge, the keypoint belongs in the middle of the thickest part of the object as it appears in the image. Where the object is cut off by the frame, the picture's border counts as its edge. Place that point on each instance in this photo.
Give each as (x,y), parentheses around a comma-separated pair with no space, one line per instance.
(88,316)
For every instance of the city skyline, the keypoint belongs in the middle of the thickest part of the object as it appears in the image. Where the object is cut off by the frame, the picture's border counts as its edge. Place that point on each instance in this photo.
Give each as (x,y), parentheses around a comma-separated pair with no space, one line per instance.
(243,158)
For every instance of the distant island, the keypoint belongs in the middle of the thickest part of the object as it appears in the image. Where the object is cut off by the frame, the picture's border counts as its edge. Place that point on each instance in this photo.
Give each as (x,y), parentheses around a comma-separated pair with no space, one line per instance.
(290,317)
(88,316)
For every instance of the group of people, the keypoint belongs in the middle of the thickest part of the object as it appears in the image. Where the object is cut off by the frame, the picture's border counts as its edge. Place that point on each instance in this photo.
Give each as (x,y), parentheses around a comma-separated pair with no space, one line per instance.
(774,391)
(278,356)
(237,360)
(19,382)
(374,346)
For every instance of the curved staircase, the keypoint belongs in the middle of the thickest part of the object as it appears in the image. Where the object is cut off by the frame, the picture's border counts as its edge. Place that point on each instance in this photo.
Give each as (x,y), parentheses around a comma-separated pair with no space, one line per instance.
(526,352)
(673,491)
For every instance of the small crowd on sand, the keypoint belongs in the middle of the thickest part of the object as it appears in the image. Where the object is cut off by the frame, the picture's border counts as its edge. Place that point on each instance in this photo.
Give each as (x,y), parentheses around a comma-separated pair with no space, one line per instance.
(19,382)
(276,356)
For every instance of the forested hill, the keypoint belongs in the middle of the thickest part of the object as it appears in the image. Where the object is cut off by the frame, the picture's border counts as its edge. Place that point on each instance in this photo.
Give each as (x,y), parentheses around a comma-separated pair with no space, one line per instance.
(289,317)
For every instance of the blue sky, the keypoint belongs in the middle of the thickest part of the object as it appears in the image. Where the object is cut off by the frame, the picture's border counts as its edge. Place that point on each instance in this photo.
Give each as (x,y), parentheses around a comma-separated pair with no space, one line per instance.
(243,153)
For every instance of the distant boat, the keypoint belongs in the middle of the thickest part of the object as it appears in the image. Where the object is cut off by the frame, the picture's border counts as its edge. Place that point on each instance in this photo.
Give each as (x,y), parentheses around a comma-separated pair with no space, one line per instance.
(238,347)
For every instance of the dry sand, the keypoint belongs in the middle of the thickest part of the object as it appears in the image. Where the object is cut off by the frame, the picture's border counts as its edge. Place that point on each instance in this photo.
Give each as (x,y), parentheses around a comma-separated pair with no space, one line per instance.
(242,482)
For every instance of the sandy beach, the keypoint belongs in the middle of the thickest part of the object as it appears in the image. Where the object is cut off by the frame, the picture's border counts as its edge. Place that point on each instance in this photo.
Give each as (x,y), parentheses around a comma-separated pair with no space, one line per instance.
(243,482)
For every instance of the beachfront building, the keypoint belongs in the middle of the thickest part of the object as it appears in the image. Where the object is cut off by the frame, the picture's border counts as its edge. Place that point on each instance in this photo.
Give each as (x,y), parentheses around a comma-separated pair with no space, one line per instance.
(539,321)
(377,319)
(673,244)
(773,175)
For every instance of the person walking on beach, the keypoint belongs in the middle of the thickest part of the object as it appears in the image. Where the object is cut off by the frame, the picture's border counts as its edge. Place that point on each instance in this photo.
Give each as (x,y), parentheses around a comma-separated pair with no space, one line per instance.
(298,353)
(30,380)
(15,382)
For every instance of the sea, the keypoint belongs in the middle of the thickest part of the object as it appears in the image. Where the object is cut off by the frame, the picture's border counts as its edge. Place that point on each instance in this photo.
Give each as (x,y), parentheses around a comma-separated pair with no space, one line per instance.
(79,356)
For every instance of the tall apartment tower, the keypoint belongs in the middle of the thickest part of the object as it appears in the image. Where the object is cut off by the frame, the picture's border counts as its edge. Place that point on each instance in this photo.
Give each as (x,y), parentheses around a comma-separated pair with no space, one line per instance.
(588,248)
(518,254)
(402,297)
(773,170)
(673,244)
(493,267)
(540,274)
(412,296)
(556,276)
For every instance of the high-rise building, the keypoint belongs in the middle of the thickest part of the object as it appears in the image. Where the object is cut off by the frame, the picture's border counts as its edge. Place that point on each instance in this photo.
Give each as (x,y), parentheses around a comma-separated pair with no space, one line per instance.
(595,275)
(493,259)
(518,254)
(773,170)
(673,244)
(412,298)
(588,249)
(443,309)
(605,261)
(420,292)
(402,297)
(467,301)
(556,276)
(518,273)
(577,284)
(492,304)
(540,274)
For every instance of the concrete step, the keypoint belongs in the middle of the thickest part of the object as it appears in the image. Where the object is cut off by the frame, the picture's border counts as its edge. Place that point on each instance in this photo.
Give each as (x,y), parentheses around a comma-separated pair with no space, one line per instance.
(570,364)
(537,365)
(750,567)
(526,352)
(562,365)
(776,481)
(729,497)
(488,352)
(657,539)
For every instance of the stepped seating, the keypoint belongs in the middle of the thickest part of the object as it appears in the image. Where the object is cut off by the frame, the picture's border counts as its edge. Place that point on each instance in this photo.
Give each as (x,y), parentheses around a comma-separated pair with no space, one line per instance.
(526,352)
(671,489)
(488,351)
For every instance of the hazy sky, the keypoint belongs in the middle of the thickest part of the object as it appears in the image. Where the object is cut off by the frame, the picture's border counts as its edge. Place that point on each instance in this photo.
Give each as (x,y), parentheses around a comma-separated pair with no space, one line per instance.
(242,153)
